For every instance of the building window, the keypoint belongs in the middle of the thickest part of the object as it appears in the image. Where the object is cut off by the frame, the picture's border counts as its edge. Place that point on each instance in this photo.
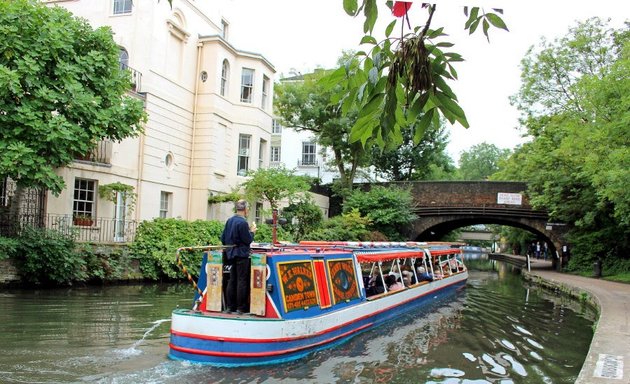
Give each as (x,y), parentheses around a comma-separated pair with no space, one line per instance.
(165,203)
(308,153)
(122,6)
(247,85)
(259,213)
(262,149)
(84,202)
(243,154)
(123,58)
(276,128)
(275,154)
(224,29)
(265,92)
(225,74)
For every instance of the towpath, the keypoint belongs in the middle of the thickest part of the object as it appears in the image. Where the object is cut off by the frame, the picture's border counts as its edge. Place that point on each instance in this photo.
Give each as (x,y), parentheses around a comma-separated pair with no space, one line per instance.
(608,359)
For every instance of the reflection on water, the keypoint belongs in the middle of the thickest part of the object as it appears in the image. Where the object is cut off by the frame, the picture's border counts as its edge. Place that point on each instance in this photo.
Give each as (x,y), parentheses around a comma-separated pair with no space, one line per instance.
(494,331)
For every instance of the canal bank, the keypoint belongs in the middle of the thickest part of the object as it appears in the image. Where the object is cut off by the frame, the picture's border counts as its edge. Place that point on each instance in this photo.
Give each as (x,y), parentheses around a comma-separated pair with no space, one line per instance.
(608,359)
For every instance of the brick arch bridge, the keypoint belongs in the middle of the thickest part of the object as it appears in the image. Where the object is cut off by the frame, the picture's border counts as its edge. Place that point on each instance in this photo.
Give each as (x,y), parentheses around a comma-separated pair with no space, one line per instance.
(443,206)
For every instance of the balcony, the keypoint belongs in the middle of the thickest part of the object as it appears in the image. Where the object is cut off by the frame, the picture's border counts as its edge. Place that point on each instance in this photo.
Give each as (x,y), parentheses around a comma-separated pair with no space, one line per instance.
(101,154)
(136,78)
(84,230)
(308,163)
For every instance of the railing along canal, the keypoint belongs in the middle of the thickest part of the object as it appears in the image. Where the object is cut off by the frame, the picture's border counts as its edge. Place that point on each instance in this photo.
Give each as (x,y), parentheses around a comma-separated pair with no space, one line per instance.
(482,210)
(88,230)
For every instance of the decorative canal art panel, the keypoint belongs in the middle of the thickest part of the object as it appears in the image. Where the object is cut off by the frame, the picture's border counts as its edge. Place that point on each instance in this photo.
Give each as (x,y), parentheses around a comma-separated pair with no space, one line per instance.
(343,279)
(297,284)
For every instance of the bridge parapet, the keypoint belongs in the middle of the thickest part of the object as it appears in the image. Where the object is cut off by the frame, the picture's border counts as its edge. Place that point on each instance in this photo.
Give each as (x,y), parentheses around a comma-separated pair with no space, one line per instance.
(469,193)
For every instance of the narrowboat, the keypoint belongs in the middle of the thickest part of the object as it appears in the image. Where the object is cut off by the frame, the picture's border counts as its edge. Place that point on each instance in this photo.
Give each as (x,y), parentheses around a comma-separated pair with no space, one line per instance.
(309,296)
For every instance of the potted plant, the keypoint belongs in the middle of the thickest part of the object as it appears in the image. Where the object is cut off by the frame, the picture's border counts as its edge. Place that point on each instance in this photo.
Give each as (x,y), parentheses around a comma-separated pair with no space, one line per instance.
(82,220)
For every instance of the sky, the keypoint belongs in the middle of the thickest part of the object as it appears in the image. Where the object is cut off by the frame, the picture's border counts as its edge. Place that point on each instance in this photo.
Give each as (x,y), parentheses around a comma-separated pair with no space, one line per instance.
(303,35)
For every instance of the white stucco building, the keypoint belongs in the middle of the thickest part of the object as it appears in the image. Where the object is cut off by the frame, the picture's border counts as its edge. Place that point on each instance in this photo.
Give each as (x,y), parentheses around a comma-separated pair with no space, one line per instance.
(209,108)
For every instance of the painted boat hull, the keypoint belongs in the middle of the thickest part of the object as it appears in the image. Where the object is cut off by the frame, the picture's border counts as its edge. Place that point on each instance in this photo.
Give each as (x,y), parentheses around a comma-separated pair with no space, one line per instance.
(231,340)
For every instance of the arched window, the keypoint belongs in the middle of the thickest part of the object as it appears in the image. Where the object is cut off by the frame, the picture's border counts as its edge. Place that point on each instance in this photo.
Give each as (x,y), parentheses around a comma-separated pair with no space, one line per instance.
(225,74)
(123,58)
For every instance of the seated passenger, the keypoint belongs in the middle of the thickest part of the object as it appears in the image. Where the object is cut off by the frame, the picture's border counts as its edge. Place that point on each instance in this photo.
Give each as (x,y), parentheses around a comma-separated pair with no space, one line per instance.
(393,283)
(374,286)
(408,277)
(423,275)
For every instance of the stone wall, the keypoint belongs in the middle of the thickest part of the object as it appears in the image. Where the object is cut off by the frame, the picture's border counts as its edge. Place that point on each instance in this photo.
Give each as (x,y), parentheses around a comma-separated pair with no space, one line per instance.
(8,272)
(108,253)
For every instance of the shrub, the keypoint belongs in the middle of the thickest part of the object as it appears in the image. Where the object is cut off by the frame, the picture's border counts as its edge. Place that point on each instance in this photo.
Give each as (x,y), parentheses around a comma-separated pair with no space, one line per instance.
(157,241)
(264,235)
(8,247)
(388,208)
(308,217)
(45,256)
(349,226)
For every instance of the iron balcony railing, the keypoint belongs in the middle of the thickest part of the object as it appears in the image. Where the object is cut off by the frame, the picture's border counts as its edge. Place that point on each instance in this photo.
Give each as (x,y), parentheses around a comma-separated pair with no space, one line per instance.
(100,154)
(136,78)
(307,163)
(84,230)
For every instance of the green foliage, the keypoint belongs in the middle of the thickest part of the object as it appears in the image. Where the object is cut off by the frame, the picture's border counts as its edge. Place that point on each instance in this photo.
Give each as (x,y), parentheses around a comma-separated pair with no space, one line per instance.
(305,105)
(264,234)
(157,241)
(274,185)
(307,214)
(415,160)
(49,257)
(402,81)
(8,247)
(481,161)
(224,198)
(61,91)
(106,266)
(110,192)
(516,239)
(389,209)
(349,226)
(578,162)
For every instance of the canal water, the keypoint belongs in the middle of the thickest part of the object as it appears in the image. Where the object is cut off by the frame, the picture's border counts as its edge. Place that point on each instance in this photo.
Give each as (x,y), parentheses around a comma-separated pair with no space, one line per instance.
(496,330)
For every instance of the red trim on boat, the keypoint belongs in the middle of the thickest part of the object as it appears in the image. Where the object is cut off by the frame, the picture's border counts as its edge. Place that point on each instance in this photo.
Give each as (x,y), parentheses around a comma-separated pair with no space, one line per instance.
(262,354)
(285,339)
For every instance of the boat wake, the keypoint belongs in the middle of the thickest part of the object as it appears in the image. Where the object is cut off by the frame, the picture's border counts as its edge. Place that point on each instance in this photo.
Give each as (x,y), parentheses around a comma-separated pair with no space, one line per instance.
(133,350)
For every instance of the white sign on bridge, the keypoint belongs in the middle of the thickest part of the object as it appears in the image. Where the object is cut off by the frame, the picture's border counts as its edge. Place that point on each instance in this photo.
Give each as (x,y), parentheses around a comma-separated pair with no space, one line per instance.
(509,198)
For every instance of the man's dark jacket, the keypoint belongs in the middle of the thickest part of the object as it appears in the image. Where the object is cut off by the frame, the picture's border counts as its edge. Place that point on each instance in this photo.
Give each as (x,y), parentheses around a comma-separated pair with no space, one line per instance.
(236,232)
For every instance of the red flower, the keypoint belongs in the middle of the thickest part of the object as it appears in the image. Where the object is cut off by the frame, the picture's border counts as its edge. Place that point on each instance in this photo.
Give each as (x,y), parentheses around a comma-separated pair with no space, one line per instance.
(400,8)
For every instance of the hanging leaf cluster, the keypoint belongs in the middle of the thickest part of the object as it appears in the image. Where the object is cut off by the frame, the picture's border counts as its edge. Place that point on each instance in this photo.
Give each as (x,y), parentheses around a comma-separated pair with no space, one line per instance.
(401,82)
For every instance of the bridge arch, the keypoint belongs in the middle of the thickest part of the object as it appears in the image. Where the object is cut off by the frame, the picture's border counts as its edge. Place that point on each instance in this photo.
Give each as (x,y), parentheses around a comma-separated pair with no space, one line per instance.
(443,206)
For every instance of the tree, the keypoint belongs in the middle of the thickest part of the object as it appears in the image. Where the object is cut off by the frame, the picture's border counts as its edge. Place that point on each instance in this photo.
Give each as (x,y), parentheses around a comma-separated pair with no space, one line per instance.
(414,160)
(274,185)
(305,105)
(402,82)
(578,162)
(61,91)
(389,209)
(308,217)
(481,161)
(551,72)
